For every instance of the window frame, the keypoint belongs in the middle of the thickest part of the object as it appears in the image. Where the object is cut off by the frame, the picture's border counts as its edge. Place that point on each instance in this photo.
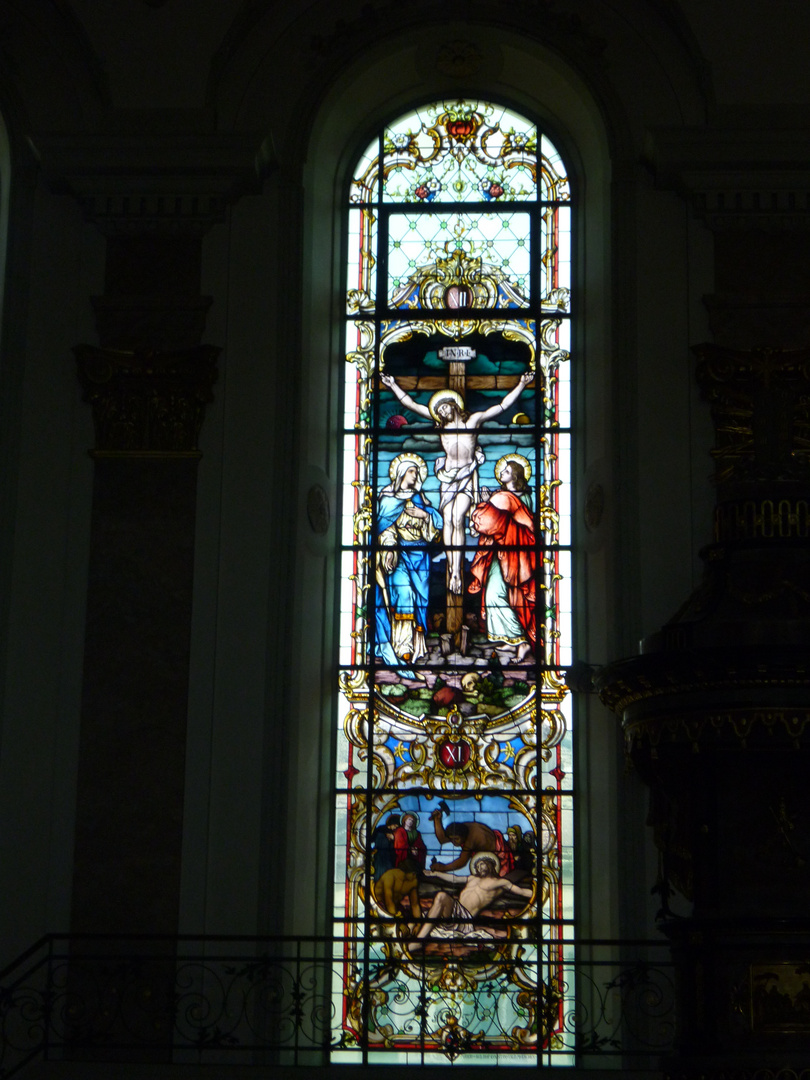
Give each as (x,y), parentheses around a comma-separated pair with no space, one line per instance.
(534,309)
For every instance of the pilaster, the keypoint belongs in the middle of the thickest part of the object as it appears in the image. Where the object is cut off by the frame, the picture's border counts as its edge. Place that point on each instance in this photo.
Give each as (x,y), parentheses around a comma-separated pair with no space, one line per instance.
(148,383)
(751,186)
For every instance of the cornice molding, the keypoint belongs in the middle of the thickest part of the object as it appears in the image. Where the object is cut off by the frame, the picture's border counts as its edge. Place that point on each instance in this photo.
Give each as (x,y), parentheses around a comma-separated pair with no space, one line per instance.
(153,183)
(681,680)
(775,728)
(736,178)
(543,14)
(742,321)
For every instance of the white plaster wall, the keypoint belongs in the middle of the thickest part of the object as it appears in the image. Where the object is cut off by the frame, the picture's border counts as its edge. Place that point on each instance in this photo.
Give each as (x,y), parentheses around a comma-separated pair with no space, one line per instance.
(240,524)
(42,674)
(758,53)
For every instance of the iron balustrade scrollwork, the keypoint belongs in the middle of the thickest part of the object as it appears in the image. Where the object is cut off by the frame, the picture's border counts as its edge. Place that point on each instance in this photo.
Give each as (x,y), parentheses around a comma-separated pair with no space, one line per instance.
(275,1000)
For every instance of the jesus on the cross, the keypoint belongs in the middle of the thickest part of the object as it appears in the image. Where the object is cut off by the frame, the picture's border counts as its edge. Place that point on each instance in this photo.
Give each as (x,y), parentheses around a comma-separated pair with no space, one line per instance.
(457,470)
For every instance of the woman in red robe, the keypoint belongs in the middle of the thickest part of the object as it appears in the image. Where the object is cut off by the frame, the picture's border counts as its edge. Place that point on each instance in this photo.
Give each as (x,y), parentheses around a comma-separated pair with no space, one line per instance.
(503,569)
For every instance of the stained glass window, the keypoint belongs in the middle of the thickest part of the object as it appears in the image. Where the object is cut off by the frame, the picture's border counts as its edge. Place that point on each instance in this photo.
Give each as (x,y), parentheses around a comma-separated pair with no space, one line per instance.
(453,897)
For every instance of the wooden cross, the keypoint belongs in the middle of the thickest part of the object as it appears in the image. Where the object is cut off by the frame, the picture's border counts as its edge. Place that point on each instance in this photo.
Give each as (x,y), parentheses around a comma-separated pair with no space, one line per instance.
(456,358)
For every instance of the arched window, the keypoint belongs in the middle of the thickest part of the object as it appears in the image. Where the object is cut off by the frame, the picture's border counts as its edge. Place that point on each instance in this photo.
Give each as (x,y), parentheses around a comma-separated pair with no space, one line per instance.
(453,864)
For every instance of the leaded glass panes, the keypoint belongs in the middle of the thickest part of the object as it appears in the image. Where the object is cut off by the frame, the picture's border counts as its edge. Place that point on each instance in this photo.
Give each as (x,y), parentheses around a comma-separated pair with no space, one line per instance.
(456,241)
(463,152)
(453,840)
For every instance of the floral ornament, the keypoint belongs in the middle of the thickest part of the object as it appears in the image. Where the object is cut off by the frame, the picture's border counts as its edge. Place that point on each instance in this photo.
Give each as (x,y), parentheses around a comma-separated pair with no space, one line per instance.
(491,189)
(401,140)
(519,140)
(461,127)
(427,192)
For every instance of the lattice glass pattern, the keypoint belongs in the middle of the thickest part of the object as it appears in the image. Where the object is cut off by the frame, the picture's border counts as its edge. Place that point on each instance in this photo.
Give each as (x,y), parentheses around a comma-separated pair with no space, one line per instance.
(418,243)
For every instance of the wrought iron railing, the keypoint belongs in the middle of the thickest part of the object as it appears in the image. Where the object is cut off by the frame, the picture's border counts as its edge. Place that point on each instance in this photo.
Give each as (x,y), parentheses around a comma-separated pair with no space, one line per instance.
(282,1001)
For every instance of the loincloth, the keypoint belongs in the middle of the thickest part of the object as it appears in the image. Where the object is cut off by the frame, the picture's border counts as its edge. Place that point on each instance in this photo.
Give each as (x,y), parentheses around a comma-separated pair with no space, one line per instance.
(463,480)
(458,925)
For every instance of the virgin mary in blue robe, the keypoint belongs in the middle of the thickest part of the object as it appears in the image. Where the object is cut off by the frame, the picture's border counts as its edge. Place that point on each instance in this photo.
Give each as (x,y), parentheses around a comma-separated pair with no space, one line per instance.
(406,525)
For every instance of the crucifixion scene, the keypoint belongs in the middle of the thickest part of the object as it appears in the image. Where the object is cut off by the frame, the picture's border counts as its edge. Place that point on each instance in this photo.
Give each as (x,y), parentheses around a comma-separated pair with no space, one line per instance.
(456,559)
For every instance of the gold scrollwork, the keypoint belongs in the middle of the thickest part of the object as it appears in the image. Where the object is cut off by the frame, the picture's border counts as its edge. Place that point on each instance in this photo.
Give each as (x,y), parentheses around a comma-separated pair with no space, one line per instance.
(147,402)
(626,688)
(760,409)
(355,726)
(695,728)
(763,519)
(363,355)
(354,684)
(452,329)
(453,753)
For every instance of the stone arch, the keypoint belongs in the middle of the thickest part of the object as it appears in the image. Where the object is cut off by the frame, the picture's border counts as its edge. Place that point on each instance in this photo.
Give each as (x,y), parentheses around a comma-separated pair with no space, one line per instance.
(342,123)
(310,90)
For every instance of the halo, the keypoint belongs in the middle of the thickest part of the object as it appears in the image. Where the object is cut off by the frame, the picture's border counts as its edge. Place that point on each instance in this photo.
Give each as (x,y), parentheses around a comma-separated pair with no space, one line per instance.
(519,458)
(475,860)
(409,813)
(412,459)
(444,395)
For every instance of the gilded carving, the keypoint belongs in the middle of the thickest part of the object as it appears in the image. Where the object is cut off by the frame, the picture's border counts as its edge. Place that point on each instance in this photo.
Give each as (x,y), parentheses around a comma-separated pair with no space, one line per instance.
(700,728)
(760,401)
(780,998)
(763,519)
(147,402)
(625,685)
